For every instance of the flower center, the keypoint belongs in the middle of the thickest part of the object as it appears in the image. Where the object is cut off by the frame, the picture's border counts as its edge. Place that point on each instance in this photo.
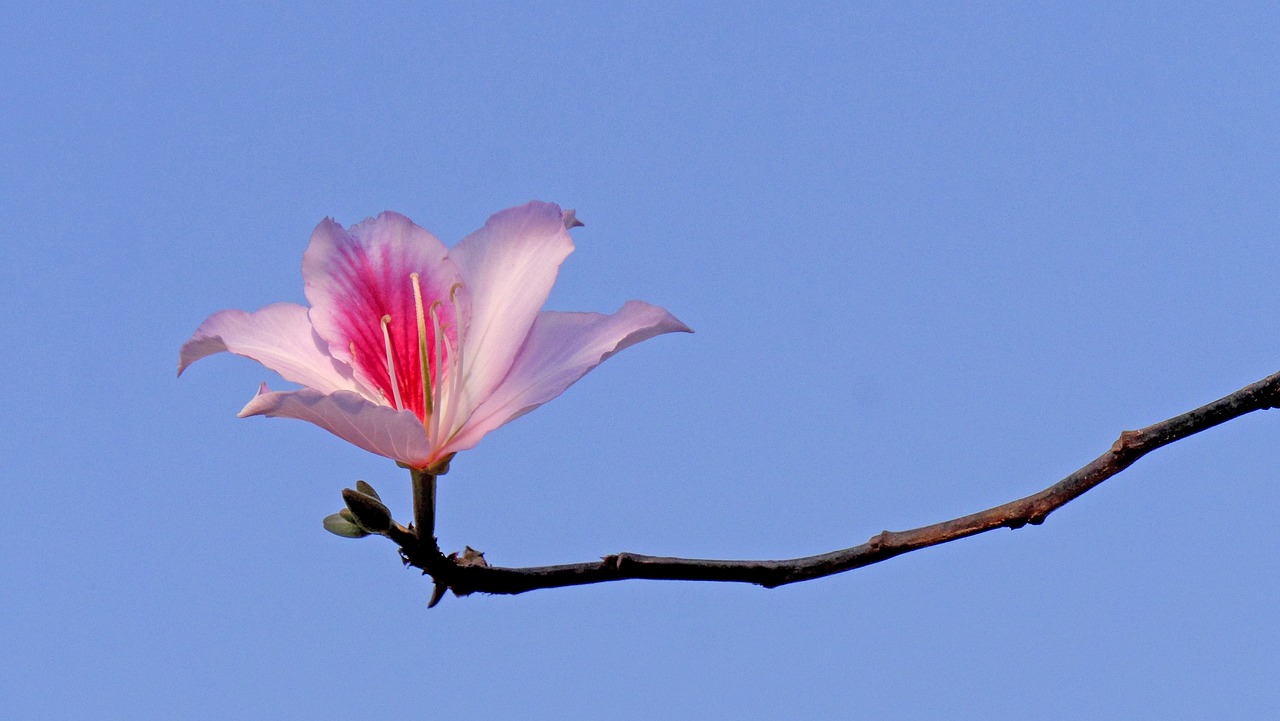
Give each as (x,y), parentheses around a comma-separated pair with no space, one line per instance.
(437,351)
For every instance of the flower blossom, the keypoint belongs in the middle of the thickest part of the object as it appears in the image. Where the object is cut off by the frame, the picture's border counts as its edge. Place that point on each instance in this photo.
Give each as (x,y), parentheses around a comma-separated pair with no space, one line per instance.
(415,351)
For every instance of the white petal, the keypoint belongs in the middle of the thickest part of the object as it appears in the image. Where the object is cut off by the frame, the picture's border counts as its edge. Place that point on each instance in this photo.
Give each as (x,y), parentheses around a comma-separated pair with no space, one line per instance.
(507,268)
(561,348)
(376,428)
(279,337)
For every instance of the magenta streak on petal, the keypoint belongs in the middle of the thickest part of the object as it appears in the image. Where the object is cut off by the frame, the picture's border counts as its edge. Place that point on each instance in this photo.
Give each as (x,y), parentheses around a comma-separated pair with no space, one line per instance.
(368,298)
(357,278)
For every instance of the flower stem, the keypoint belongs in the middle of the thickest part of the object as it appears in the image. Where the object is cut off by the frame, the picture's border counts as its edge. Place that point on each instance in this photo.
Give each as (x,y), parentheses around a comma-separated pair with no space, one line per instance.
(424,507)
(426,555)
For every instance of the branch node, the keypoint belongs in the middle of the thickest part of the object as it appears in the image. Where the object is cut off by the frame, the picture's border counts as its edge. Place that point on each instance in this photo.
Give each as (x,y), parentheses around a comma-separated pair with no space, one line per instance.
(881,540)
(1128,441)
(469,557)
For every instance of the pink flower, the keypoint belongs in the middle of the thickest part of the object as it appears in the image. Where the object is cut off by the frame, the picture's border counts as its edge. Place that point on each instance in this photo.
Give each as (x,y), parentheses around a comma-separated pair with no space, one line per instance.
(415,351)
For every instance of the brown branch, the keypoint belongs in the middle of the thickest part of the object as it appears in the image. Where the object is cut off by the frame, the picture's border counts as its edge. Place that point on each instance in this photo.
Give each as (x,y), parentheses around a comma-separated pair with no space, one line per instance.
(470,573)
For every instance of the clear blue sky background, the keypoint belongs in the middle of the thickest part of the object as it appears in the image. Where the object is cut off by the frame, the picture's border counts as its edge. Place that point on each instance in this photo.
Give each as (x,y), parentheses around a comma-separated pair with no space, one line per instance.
(936,256)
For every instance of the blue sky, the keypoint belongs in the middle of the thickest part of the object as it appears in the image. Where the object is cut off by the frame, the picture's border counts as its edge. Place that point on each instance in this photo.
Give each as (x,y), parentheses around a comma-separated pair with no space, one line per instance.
(936,257)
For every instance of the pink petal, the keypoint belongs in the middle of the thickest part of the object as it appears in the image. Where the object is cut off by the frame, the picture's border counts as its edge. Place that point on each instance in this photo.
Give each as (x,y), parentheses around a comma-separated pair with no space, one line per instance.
(354,278)
(279,337)
(378,429)
(560,349)
(508,267)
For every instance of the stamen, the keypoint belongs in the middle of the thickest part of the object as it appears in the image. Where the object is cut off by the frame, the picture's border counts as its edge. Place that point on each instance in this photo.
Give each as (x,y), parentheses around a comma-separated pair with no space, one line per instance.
(438,341)
(422,348)
(391,364)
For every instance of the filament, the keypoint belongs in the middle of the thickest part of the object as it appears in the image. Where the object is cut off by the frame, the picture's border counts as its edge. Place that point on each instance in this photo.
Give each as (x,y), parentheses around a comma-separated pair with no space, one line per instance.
(391,364)
(422,348)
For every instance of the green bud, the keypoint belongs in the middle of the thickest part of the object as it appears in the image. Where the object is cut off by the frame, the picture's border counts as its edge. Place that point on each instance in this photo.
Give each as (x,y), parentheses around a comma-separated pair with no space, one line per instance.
(369,512)
(367,489)
(339,526)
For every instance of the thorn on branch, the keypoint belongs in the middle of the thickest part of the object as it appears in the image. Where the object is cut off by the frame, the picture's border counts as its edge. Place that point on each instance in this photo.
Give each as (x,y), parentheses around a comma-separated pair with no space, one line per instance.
(437,593)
